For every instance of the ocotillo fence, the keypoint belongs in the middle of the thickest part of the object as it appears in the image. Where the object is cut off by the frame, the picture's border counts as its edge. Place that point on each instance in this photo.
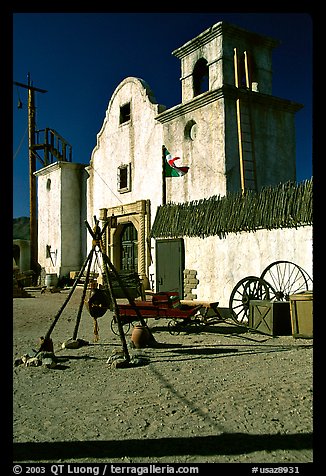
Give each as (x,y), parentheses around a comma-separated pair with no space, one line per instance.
(287,205)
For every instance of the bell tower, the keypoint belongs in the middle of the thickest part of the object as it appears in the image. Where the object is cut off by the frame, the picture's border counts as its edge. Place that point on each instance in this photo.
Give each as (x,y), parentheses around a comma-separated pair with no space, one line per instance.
(207,62)
(230,130)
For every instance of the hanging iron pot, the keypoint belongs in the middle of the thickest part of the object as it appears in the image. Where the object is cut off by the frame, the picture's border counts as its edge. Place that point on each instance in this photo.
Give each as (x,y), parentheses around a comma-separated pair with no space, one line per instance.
(98,303)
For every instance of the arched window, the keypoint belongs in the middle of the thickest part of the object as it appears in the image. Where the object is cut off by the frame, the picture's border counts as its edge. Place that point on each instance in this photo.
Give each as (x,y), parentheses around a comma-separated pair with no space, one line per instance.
(200,77)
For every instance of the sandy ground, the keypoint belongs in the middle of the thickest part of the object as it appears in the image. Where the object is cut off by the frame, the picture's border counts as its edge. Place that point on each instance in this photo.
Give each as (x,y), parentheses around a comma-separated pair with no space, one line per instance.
(222,395)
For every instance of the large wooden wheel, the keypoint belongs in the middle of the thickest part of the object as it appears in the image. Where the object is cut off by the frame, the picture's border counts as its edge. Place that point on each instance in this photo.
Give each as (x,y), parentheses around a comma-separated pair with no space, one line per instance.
(246,290)
(286,278)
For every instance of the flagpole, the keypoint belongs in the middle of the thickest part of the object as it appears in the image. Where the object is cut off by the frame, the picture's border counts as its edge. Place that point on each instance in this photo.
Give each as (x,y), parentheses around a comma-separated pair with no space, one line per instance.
(163,176)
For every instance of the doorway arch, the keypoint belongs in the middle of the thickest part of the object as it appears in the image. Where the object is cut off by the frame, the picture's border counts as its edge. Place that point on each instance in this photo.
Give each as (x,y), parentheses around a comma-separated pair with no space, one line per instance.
(138,215)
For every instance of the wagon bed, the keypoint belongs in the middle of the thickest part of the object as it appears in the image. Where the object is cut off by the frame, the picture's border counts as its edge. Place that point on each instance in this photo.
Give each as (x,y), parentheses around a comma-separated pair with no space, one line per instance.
(163,305)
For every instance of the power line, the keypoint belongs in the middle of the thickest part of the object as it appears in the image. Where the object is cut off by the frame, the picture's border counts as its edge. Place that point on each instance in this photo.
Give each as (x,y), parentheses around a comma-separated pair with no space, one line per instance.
(116,196)
(20,144)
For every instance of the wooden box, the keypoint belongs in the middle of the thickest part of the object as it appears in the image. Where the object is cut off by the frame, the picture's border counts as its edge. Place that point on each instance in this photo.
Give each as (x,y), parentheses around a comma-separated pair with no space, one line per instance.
(302,314)
(270,317)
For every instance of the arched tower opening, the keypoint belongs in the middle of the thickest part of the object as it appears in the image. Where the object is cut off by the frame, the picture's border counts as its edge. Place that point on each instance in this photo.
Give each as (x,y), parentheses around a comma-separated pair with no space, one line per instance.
(200,77)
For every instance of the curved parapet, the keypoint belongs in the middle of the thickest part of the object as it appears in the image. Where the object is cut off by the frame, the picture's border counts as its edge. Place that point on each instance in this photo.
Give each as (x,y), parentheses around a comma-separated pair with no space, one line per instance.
(128,84)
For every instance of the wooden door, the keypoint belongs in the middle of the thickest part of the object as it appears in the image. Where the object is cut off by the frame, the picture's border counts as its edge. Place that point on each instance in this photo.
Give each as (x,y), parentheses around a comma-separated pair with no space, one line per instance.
(129,248)
(170,265)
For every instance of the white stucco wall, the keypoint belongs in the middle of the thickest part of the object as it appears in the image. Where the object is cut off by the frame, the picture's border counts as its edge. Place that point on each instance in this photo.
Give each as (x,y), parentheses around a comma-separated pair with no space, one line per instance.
(71,217)
(59,216)
(212,153)
(203,152)
(222,262)
(138,142)
(49,216)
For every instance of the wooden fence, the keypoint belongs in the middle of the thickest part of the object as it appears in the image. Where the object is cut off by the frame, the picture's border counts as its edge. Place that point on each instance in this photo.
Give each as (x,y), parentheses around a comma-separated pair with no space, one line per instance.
(288,205)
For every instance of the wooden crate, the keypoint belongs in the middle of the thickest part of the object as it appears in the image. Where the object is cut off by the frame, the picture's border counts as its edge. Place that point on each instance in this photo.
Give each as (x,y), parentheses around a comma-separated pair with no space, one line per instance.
(302,314)
(270,317)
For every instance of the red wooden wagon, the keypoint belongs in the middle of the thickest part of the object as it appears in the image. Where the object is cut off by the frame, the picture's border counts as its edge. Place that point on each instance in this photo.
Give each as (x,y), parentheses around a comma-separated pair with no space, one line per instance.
(162,305)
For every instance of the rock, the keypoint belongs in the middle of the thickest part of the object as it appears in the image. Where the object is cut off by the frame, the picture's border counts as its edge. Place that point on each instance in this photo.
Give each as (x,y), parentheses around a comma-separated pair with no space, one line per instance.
(74,343)
(25,358)
(118,352)
(46,355)
(118,364)
(71,344)
(138,361)
(47,359)
(18,361)
(33,362)
(49,363)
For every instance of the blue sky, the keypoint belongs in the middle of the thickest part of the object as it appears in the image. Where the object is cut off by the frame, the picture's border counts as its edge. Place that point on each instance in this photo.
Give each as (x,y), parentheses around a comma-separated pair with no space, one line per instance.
(80,59)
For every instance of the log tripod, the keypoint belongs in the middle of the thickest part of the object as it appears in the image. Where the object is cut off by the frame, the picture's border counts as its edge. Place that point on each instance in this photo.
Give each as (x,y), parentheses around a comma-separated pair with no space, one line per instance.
(97,247)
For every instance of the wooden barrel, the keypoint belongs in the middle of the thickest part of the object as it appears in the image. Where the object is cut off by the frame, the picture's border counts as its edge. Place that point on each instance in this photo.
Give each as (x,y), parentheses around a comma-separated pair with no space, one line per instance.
(51,280)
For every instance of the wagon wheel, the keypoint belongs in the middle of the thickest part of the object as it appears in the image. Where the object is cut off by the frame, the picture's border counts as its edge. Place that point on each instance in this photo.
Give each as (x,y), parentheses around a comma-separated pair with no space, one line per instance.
(196,325)
(247,289)
(115,329)
(174,327)
(286,278)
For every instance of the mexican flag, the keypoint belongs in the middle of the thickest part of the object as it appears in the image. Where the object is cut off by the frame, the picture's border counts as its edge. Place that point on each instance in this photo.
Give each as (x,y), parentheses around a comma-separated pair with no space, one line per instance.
(170,169)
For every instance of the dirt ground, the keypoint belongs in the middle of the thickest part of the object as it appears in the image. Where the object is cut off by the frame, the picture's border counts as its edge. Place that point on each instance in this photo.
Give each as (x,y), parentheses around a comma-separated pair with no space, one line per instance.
(221,395)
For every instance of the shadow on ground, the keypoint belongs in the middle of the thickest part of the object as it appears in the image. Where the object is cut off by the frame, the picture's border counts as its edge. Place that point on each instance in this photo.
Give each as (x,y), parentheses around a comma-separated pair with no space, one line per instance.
(223,444)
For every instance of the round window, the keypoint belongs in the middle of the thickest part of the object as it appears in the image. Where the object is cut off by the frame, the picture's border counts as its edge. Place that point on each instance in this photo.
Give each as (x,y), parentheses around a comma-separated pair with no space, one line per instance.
(191,130)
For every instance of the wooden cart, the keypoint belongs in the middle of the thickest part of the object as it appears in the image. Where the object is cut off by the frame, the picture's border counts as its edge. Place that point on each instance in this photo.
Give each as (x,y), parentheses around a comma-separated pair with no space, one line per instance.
(162,305)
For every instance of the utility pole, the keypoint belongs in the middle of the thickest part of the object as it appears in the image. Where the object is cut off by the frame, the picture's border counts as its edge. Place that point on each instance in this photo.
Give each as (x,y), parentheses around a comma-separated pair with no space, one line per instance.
(32,168)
